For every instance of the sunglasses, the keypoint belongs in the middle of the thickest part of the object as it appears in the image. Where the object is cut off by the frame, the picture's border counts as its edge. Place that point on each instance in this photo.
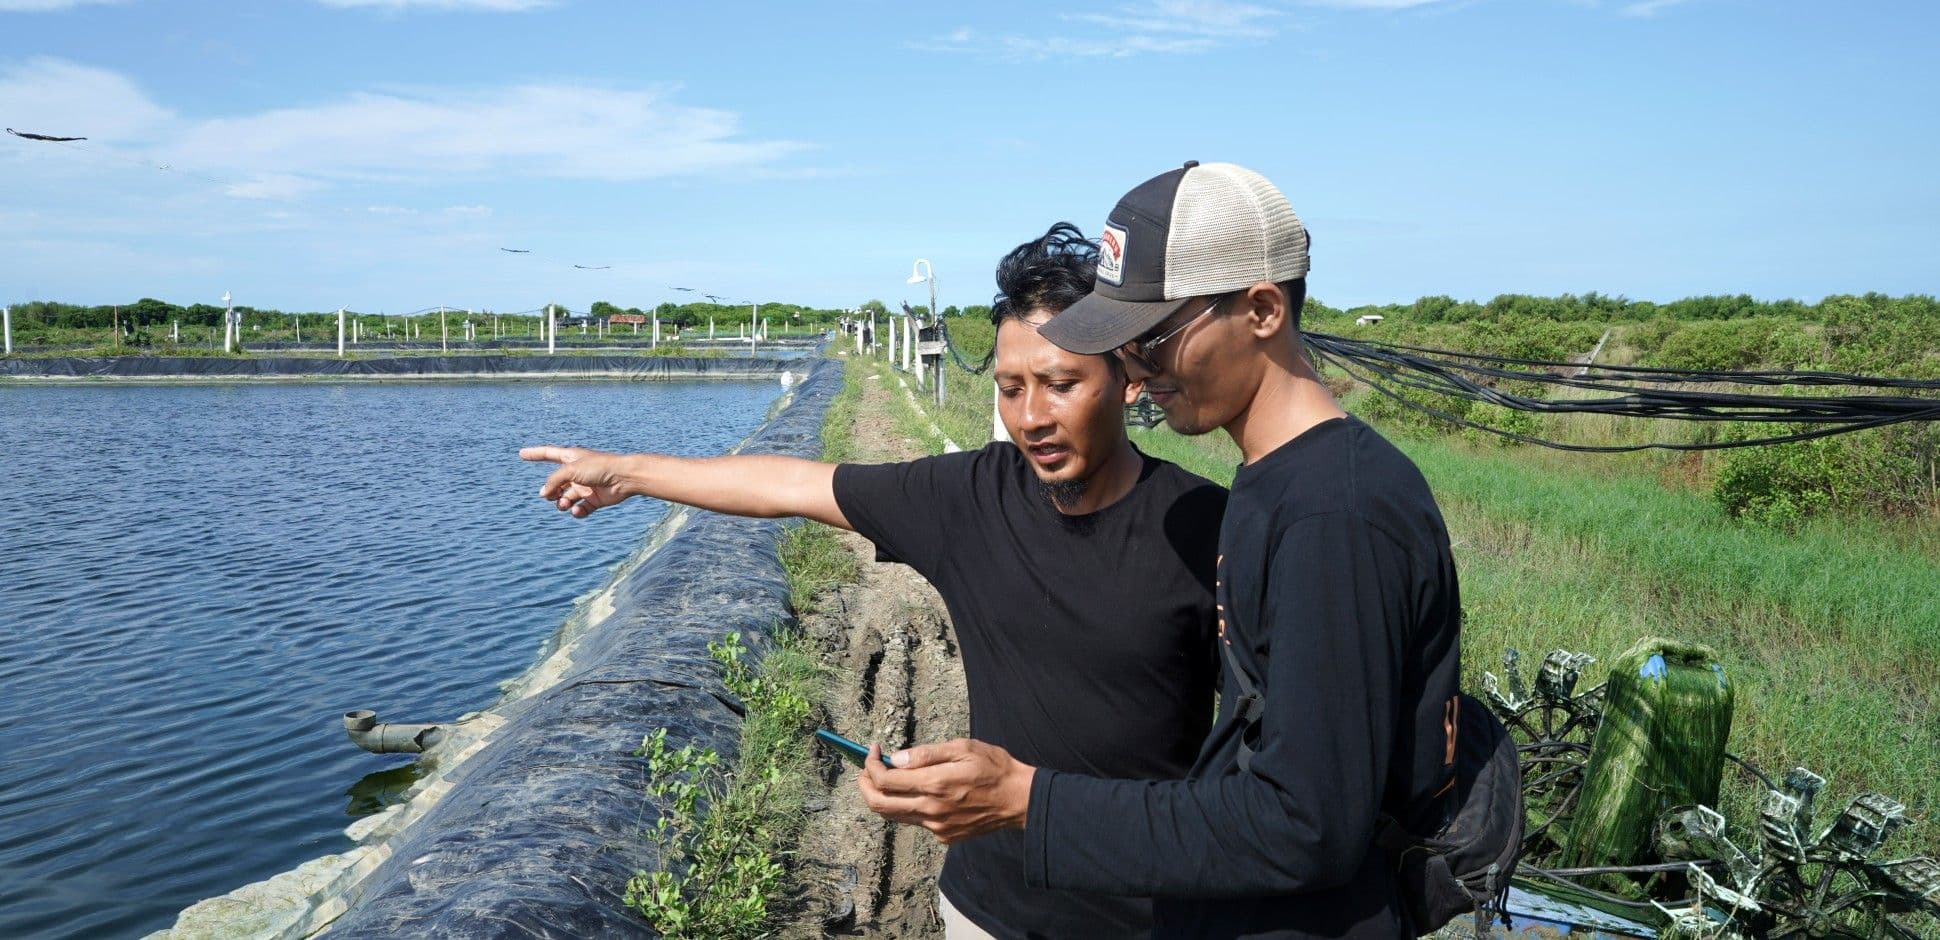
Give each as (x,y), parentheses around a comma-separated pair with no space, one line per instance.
(1141,351)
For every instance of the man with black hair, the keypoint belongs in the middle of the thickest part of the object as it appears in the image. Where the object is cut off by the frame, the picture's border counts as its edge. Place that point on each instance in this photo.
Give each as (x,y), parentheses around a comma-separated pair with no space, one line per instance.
(1078,573)
(1339,612)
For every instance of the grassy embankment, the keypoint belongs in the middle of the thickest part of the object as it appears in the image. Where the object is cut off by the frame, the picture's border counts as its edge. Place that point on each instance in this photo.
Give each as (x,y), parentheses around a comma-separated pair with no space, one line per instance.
(1831,628)
(723,831)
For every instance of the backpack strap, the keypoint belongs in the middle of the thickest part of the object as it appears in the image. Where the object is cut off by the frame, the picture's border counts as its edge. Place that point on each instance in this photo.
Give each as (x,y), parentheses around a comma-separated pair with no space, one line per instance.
(1252,705)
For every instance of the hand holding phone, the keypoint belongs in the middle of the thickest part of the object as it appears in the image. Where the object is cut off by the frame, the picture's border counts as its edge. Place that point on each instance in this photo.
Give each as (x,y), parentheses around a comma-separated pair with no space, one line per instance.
(855,753)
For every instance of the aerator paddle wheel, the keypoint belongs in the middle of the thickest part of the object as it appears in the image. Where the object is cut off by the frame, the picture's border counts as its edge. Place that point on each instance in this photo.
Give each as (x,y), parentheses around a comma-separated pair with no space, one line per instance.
(1790,882)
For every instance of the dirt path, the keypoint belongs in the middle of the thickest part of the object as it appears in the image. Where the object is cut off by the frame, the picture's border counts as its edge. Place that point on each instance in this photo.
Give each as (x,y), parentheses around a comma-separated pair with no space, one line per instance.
(897,680)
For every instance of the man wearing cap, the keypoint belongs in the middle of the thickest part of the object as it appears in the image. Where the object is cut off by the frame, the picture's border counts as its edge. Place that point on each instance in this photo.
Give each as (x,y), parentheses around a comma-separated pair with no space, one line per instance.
(1339,614)
(1077,572)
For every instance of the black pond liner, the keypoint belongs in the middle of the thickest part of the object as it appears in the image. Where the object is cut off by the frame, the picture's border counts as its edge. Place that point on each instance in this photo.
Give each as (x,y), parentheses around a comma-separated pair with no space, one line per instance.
(543,826)
(188,367)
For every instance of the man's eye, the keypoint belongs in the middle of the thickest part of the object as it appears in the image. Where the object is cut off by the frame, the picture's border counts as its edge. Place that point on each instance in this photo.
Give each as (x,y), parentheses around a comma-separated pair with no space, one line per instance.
(1062,387)
(1010,391)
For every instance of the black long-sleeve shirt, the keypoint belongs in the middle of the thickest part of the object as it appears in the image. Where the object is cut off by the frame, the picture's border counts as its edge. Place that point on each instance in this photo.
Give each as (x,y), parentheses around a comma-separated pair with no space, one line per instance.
(1338,596)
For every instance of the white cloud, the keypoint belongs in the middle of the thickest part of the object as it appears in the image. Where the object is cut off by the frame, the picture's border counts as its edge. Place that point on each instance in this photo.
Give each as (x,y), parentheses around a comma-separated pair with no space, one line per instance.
(470,212)
(1649,7)
(1373,4)
(273,186)
(66,99)
(492,5)
(1211,18)
(45,6)
(569,131)
(1148,27)
(557,130)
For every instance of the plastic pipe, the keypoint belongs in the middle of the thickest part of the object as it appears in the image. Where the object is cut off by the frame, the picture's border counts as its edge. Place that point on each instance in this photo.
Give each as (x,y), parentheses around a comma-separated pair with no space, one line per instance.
(367,733)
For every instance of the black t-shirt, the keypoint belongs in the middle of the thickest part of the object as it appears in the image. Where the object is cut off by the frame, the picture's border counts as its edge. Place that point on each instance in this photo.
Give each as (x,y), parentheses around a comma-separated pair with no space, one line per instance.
(1086,641)
(1338,596)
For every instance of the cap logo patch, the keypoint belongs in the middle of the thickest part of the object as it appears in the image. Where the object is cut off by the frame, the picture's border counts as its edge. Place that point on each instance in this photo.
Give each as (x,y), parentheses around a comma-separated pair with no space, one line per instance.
(1111,255)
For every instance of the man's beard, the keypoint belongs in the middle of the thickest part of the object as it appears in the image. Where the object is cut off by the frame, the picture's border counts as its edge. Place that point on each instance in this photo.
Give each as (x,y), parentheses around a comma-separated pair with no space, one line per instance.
(1063,494)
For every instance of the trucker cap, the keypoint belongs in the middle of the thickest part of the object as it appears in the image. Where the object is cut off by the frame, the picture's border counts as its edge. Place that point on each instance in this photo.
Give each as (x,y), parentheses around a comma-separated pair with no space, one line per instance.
(1191,232)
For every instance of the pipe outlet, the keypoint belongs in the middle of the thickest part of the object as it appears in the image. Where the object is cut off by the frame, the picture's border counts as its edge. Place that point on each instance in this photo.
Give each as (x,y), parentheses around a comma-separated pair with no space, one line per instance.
(379,738)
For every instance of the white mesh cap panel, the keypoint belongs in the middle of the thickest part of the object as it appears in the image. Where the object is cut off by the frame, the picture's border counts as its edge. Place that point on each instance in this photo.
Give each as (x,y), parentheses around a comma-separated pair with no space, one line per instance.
(1230,229)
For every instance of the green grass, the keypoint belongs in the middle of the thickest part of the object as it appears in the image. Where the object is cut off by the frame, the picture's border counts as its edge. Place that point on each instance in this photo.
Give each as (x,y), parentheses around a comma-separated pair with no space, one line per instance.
(722,833)
(725,834)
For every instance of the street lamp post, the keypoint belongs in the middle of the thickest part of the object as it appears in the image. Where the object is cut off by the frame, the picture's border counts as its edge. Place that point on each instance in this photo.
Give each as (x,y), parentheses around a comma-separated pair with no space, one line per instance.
(918,273)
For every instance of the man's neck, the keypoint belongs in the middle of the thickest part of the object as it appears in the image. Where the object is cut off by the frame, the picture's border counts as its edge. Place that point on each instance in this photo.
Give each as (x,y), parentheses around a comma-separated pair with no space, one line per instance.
(1287,404)
(1110,484)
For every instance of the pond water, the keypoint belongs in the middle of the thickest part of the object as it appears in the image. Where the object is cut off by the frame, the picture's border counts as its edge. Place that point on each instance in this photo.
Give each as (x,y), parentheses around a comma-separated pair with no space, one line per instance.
(197,582)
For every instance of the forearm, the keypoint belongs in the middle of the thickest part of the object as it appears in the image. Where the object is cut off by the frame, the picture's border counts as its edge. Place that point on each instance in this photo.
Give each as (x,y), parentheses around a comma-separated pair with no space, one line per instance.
(1233,836)
(759,485)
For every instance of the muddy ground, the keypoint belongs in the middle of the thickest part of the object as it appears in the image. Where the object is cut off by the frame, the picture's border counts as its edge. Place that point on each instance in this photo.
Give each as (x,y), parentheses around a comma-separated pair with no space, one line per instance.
(897,680)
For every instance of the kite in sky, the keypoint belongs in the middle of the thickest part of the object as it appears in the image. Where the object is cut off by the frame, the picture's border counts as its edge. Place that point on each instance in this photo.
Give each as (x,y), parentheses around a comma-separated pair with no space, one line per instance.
(518,251)
(592,267)
(45,137)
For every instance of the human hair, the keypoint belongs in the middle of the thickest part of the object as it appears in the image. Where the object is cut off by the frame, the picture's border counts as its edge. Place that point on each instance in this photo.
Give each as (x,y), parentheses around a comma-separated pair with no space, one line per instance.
(1296,291)
(1048,273)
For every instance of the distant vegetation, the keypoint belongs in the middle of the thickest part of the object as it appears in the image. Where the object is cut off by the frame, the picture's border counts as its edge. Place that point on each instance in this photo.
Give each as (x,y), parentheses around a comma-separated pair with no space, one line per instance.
(147,323)
(1893,471)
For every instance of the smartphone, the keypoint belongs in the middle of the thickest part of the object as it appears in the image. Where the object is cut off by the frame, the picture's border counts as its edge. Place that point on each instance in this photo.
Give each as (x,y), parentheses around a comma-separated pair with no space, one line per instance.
(856,753)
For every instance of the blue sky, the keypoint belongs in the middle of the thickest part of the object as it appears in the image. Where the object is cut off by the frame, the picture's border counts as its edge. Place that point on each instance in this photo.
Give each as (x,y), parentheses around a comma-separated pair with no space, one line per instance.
(379,153)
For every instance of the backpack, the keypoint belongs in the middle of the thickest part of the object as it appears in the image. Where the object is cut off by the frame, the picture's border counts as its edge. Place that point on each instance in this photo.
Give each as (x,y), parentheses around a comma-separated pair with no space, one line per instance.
(1463,867)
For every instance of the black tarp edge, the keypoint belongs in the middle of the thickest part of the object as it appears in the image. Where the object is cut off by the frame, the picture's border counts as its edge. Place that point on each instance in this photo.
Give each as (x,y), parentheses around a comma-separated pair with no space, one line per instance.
(544,825)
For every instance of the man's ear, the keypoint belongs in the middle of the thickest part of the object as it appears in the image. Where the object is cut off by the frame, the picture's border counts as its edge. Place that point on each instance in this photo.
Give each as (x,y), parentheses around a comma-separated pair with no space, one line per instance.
(1132,390)
(1265,307)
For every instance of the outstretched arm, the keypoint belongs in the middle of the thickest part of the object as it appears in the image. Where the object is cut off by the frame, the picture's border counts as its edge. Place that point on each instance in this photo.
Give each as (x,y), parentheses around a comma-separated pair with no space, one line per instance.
(758,485)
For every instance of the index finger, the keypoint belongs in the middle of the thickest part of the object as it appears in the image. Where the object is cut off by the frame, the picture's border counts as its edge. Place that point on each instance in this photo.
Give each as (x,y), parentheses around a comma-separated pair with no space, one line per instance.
(548,452)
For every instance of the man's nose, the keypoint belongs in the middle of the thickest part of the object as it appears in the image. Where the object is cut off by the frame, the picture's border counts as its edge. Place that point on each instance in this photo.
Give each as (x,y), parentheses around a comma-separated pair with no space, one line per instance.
(1036,412)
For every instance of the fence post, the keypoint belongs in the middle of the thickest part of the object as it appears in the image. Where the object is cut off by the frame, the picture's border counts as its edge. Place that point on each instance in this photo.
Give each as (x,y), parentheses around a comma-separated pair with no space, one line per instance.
(552,332)
(6,326)
(340,332)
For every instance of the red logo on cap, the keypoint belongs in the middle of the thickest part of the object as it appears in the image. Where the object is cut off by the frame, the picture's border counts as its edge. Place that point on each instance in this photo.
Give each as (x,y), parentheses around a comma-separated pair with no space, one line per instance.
(1111,255)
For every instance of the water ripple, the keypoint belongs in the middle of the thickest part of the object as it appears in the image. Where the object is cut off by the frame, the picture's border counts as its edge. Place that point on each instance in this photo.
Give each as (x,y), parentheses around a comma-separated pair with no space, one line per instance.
(175,649)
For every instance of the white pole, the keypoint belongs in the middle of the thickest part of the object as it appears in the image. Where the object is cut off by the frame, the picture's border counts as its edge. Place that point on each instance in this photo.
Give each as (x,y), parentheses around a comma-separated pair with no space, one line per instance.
(916,361)
(710,327)
(228,322)
(858,339)
(656,332)
(340,332)
(6,326)
(444,334)
(751,327)
(891,321)
(174,331)
(552,332)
